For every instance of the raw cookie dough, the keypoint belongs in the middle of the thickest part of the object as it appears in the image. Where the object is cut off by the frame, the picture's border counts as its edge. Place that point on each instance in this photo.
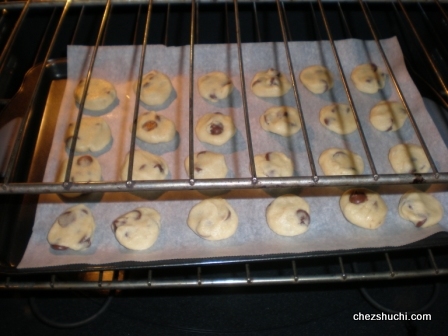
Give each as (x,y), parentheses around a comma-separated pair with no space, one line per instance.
(273,164)
(338,118)
(138,229)
(100,94)
(388,116)
(207,165)
(156,88)
(215,86)
(282,120)
(408,158)
(146,166)
(215,128)
(363,207)
(270,83)
(155,128)
(420,208)
(213,219)
(288,215)
(317,79)
(73,229)
(368,78)
(94,135)
(339,161)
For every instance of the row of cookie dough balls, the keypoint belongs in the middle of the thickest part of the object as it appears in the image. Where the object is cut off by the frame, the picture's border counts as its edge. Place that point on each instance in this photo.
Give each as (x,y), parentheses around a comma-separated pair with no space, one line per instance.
(156,87)
(215,219)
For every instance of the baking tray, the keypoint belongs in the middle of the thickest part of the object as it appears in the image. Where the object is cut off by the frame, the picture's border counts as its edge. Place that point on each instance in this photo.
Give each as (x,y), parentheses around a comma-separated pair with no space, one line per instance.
(19,210)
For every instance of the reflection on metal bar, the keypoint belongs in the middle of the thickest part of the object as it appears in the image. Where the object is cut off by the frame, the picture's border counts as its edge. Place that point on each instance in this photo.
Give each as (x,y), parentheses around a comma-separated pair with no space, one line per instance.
(435,34)
(199,276)
(344,21)
(341,264)
(389,264)
(41,44)
(288,31)
(441,9)
(24,121)
(137,97)
(137,21)
(433,261)
(243,94)
(83,98)
(149,277)
(100,279)
(78,23)
(399,92)
(191,99)
(227,22)
(294,271)
(167,21)
(248,278)
(422,45)
(53,280)
(226,183)
(103,40)
(256,22)
(296,95)
(316,26)
(347,91)
(197,22)
(12,36)
(222,282)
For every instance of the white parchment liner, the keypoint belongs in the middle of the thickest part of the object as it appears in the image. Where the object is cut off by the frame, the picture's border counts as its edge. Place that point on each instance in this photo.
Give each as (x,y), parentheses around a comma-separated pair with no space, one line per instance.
(328,230)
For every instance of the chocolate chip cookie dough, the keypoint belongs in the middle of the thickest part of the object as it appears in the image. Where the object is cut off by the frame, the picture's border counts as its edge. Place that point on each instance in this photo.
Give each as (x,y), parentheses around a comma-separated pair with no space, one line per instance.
(408,158)
(387,116)
(420,208)
(339,161)
(282,120)
(94,135)
(147,166)
(100,94)
(338,118)
(215,86)
(273,164)
(288,215)
(155,128)
(364,208)
(270,83)
(317,79)
(215,128)
(368,78)
(213,219)
(138,229)
(156,88)
(73,229)
(207,165)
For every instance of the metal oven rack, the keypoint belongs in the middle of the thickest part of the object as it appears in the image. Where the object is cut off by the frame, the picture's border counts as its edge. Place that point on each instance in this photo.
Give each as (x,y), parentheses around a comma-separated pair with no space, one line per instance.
(42,30)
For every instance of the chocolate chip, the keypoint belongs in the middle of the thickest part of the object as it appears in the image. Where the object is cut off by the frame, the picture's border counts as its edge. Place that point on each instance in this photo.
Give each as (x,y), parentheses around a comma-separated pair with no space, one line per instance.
(285,114)
(256,82)
(149,125)
(118,222)
(327,121)
(216,128)
(390,128)
(266,120)
(160,167)
(369,80)
(228,215)
(197,169)
(373,66)
(86,242)
(66,218)
(85,211)
(267,156)
(213,96)
(339,154)
(84,161)
(218,113)
(59,247)
(304,217)
(274,81)
(202,152)
(142,167)
(420,223)
(146,84)
(136,214)
(357,197)
(158,118)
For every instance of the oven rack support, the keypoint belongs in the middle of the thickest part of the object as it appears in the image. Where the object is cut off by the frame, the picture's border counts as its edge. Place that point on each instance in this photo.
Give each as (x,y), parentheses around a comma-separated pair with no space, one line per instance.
(117,279)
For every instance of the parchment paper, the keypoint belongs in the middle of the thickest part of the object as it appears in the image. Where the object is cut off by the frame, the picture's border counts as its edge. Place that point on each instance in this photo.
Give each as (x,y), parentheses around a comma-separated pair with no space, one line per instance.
(328,230)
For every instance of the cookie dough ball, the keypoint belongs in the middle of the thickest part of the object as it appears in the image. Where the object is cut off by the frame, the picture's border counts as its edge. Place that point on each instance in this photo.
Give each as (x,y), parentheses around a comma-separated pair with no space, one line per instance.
(156,88)
(207,165)
(338,118)
(100,94)
(282,120)
(316,78)
(339,161)
(215,86)
(94,135)
(270,83)
(388,116)
(273,164)
(420,208)
(408,158)
(364,208)
(138,229)
(288,215)
(146,166)
(73,229)
(154,128)
(213,219)
(215,128)
(368,78)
